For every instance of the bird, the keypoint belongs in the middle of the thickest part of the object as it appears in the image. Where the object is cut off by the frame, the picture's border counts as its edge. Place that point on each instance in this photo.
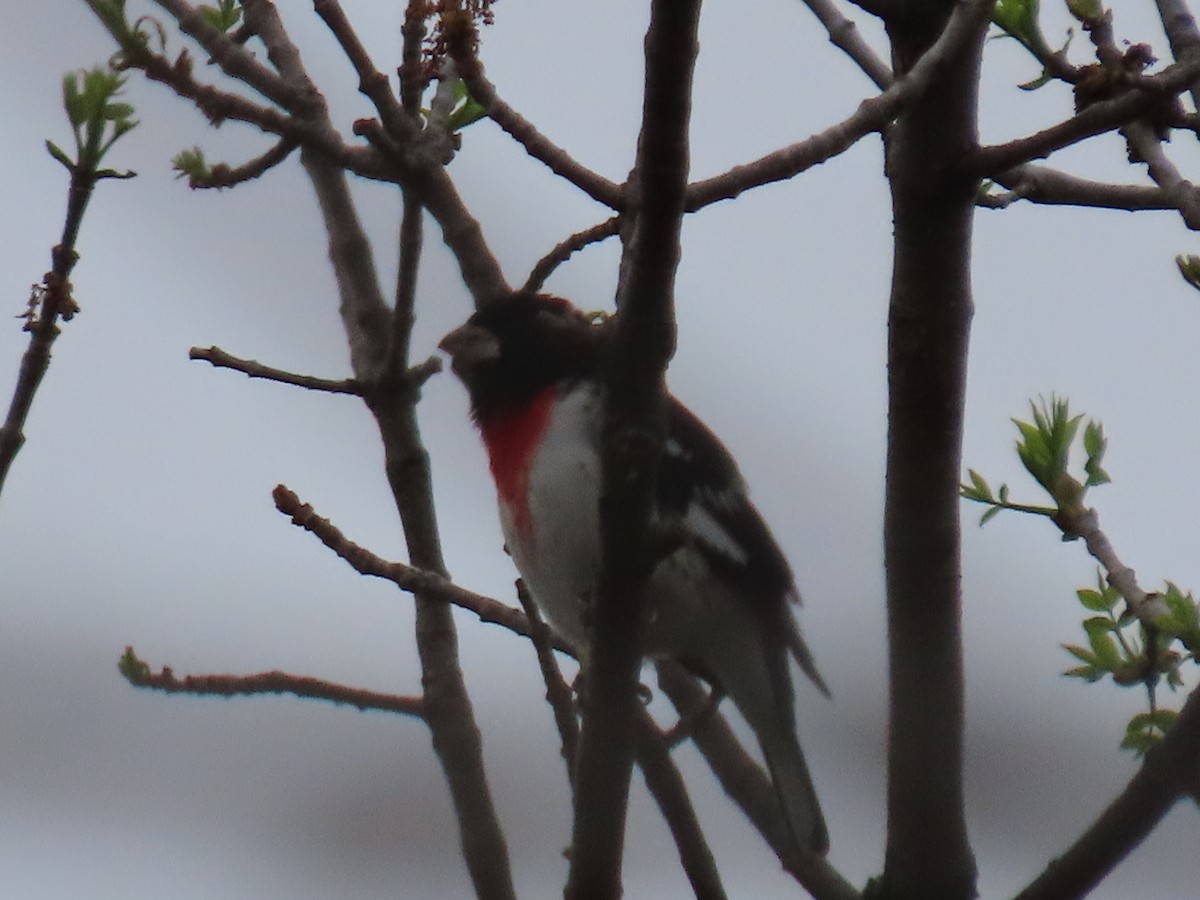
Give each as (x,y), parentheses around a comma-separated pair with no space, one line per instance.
(720,590)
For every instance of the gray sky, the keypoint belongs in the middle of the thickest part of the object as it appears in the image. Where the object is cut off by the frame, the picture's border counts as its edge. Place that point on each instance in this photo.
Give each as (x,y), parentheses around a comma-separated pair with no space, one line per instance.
(139,511)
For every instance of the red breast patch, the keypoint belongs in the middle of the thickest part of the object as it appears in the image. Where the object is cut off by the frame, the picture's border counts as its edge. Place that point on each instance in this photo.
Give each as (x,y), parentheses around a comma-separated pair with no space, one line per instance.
(511,438)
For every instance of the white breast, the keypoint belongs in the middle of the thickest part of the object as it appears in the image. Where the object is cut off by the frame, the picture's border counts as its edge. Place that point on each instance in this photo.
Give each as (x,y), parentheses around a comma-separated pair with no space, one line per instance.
(558,553)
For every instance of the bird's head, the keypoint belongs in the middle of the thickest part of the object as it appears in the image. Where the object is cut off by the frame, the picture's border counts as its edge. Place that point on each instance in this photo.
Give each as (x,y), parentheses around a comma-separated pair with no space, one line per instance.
(520,344)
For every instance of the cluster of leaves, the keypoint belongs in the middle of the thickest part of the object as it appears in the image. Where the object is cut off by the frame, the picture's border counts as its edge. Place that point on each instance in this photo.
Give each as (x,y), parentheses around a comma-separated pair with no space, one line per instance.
(97,118)
(1133,650)
(1045,450)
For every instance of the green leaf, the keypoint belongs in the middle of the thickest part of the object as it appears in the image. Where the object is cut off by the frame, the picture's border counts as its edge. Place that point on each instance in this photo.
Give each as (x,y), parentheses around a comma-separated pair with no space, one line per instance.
(131,667)
(1086,11)
(222,17)
(1094,444)
(467,110)
(1189,268)
(1082,654)
(989,514)
(1041,81)
(1088,673)
(1099,631)
(192,164)
(978,489)
(1096,601)
(58,154)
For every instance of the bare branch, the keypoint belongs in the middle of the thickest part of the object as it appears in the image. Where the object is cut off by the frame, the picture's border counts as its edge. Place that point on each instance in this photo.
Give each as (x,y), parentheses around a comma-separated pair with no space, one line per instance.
(1044,185)
(411,240)
(872,115)
(1147,147)
(670,793)
(49,301)
(408,578)
(747,784)
(1168,772)
(224,176)
(558,692)
(371,82)
(563,251)
(234,59)
(274,682)
(844,35)
(1182,34)
(536,144)
(1085,523)
(254,369)
(413,78)
(632,437)
(1100,117)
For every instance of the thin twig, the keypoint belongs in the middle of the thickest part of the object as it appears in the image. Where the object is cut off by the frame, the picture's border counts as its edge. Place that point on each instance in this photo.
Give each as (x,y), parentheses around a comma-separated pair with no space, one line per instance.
(254,369)
(233,58)
(562,251)
(371,82)
(1085,523)
(408,578)
(747,785)
(872,115)
(1097,118)
(49,301)
(1182,194)
(224,176)
(413,78)
(536,144)
(1044,185)
(558,692)
(1182,34)
(669,790)
(274,682)
(844,35)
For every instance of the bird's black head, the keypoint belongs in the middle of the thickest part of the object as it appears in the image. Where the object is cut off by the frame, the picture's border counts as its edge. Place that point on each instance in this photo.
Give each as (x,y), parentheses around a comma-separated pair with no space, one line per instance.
(518,345)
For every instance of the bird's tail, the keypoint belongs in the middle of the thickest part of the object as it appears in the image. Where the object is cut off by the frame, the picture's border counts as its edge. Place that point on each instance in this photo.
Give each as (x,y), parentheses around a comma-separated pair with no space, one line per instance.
(793,784)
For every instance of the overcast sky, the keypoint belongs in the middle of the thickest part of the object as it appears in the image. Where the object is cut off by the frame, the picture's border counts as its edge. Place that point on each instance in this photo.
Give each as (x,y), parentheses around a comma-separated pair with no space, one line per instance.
(139,511)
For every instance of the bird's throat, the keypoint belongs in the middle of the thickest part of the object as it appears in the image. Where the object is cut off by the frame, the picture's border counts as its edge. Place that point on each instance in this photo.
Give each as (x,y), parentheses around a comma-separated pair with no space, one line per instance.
(512,437)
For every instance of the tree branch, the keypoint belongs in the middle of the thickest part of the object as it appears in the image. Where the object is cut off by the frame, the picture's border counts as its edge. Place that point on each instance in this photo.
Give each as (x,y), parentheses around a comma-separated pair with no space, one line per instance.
(558,692)
(564,249)
(411,579)
(48,302)
(747,785)
(1044,185)
(225,176)
(873,114)
(670,793)
(1147,147)
(1168,772)
(928,849)
(844,35)
(275,682)
(372,83)
(536,144)
(1098,118)
(632,436)
(254,369)
(1182,35)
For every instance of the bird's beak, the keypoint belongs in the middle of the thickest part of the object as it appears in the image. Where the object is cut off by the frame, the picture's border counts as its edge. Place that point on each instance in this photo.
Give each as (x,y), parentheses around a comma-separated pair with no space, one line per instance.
(469,345)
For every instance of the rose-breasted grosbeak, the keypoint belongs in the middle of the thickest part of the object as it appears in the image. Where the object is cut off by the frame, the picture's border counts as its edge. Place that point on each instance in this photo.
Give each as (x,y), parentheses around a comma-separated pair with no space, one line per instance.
(720,595)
